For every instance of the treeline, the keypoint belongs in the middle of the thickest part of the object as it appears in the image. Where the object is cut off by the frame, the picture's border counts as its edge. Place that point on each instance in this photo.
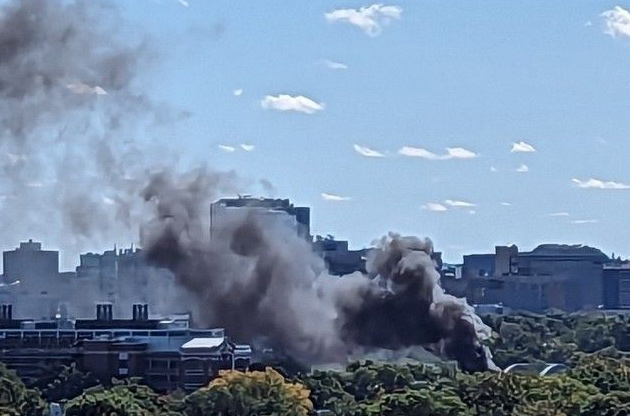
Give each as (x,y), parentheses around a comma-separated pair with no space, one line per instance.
(593,346)
(556,337)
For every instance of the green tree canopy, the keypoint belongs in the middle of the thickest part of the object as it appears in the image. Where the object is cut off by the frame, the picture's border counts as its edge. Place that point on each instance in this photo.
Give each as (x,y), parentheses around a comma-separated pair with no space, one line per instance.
(128,398)
(253,393)
(15,398)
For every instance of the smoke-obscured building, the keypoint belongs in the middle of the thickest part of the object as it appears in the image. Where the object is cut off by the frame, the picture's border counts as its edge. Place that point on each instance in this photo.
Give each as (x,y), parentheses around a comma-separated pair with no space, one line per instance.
(339,259)
(30,265)
(166,353)
(31,277)
(123,278)
(552,276)
(274,211)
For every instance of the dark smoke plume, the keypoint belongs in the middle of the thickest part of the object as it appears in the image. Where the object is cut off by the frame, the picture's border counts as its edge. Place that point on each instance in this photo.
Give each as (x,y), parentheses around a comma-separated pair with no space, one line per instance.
(259,279)
(76,163)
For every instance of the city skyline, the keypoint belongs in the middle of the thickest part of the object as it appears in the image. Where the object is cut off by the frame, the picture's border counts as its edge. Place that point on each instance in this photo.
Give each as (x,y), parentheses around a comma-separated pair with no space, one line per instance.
(380,117)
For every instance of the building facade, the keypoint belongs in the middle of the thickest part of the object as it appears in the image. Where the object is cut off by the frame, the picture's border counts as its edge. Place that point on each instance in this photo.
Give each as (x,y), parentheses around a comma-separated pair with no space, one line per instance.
(273,211)
(616,286)
(552,276)
(166,353)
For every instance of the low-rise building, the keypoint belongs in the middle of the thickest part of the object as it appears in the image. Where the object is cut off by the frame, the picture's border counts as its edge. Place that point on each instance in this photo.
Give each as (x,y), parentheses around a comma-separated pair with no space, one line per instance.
(166,353)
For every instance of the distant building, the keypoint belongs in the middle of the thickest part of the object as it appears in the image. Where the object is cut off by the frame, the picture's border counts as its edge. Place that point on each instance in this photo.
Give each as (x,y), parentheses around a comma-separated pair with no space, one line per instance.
(272,210)
(166,353)
(30,265)
(120,276)
(551,276)
(616,286)
(339,259)
(31,276)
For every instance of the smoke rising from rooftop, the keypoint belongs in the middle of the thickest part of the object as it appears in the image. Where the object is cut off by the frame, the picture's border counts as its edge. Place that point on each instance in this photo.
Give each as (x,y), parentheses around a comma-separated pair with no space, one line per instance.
(260,279)
(77,169)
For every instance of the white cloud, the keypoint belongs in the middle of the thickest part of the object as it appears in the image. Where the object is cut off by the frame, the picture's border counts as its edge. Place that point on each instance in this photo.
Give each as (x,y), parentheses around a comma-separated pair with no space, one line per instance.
(588,23)
(334,65)
(472,212)
(522,147)
(333,197)
(227,148)
(459,153)
(493,169)
(451,153)
(81,88)
(617,22)
(523,168)
(434,206)
(599,184)
(589,221)
(459,204)
(559,214)
(370,19)
(506,204)
(35,184)
(366,151)
(285,102)
(248,147)
(108,200)
(238,92)
(183,3)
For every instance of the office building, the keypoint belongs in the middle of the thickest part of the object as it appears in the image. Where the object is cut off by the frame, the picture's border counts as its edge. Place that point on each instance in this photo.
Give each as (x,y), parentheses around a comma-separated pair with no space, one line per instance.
(552,276)
(272,211)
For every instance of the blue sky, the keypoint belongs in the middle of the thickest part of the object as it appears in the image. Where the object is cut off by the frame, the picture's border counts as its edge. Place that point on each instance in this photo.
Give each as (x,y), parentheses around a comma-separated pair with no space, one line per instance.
(428,76)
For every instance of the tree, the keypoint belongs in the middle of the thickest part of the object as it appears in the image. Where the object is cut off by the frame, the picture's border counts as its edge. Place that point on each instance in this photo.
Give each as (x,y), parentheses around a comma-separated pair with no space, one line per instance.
(126,398)
(68,384)
(254,393)
(15,398)
(507,394)
(606,373)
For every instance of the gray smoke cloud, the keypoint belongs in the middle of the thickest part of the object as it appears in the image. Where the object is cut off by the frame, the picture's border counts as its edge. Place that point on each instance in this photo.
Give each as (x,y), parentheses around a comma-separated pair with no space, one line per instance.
(259,279)
(76,163)
(68,108)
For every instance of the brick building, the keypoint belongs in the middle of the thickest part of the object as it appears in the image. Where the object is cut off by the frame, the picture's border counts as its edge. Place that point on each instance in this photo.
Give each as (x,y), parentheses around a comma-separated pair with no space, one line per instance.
(166,353)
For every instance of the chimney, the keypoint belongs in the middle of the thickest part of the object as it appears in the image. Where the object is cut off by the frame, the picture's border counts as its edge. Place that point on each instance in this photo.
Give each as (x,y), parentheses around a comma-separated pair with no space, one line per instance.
(104,312)
(6,312)
(140,312)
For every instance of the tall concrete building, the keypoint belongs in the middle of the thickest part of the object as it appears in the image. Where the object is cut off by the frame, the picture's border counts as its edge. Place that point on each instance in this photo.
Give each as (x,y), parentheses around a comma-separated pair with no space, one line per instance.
(31,276)
(273,211)
(30,265)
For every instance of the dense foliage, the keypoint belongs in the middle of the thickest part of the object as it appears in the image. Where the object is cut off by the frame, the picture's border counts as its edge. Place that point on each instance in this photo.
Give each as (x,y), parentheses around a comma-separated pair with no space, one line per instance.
(250,394)
(556,337)
(15,398)
(128,398)
(594,347)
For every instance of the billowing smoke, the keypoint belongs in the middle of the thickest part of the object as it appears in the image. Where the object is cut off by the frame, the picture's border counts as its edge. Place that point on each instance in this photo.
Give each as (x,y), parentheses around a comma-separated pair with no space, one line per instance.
(77,168)
(71,121)
(259,279)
